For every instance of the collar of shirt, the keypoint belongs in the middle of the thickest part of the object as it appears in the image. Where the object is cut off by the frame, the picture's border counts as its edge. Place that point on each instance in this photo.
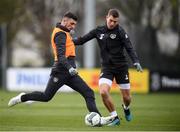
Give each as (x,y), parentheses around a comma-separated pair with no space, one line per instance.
(58,25)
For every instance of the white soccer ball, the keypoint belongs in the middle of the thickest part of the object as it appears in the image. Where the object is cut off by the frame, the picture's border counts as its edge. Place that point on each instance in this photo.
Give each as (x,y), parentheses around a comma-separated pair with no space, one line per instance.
(93,119)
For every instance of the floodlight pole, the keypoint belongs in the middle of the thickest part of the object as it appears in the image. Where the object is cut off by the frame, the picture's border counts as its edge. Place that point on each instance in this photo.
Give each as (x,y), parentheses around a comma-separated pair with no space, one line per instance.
(89,24)
(4,53)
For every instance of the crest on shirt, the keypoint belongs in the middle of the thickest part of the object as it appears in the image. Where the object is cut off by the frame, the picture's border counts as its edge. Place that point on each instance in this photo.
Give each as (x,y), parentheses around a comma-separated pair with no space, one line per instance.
(55,79)
(126,36)
(112,36)
(101,36)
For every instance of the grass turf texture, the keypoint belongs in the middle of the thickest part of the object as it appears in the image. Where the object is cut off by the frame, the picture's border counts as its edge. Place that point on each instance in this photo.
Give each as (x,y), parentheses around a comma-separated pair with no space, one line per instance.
(66,112)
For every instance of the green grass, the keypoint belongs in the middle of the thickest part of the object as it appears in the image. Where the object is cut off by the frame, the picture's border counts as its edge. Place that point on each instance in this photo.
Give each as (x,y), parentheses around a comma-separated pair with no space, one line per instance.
(66,112)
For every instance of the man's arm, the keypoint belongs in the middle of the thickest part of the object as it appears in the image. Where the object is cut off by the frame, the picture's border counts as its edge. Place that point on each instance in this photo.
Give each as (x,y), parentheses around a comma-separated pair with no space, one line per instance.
(85,38)
(130,50)
(60,41)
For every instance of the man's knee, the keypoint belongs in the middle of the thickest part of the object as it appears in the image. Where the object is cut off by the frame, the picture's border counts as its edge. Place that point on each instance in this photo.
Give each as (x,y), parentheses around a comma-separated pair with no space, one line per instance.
(47,98)
(89,93)
(127,98)
(104,91)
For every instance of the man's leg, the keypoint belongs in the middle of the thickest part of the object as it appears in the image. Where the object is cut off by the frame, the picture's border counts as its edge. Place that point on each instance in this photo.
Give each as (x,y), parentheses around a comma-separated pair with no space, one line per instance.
(80,86)
(126,96)
(106,98)
(122,79)
(104,89)
(53,85)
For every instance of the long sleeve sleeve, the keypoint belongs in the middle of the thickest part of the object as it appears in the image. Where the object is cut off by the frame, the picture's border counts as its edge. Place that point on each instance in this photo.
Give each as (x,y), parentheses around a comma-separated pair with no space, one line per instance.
(60,41)
(85,38)
(128,46)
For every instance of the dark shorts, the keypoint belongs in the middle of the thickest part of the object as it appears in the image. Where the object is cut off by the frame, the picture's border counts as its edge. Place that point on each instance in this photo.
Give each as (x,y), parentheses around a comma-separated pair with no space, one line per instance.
(121,76)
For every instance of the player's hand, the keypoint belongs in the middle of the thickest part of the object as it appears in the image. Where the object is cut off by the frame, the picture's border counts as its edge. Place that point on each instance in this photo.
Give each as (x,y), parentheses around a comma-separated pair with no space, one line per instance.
(138,67)
(73,71)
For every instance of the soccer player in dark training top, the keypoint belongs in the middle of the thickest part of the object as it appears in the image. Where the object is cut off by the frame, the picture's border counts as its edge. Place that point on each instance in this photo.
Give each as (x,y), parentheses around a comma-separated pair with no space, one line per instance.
(112,40)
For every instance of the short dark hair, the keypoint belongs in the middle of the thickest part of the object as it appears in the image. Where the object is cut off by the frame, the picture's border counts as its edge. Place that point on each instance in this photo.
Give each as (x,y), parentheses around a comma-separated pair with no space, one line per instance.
(70,15)
(113,12)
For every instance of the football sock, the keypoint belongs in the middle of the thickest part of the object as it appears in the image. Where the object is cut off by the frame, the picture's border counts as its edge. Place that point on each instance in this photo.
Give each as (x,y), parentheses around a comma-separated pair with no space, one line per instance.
(113,113)
(126,107)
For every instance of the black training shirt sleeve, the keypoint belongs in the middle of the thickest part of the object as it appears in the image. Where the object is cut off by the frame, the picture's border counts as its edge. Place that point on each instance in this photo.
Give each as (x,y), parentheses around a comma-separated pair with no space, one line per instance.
(60,41)
(128,46)
(85,38)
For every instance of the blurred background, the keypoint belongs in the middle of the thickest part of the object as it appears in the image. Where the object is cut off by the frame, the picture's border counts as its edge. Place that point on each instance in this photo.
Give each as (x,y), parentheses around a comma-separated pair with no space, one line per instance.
(153,27)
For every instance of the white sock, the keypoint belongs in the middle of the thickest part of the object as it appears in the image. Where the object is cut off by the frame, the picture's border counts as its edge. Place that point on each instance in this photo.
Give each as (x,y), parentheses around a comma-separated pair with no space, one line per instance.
(113,113)
(126,107)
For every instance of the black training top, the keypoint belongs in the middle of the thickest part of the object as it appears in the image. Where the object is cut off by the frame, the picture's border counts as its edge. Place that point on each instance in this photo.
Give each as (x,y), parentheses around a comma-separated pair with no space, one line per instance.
(112,44)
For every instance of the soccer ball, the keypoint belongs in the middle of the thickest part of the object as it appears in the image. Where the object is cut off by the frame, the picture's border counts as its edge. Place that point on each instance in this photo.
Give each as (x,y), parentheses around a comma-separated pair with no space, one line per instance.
(93,119)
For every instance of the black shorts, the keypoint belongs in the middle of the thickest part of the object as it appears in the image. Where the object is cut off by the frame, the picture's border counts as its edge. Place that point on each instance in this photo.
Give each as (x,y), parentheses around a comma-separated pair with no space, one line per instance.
(121,76)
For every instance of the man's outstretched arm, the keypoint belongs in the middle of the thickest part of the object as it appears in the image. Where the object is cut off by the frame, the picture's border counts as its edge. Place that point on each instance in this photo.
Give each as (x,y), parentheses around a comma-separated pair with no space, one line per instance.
(83,39)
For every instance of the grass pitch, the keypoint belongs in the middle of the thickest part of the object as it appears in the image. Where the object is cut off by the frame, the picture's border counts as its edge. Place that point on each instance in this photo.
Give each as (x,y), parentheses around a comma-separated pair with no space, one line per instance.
(66,112)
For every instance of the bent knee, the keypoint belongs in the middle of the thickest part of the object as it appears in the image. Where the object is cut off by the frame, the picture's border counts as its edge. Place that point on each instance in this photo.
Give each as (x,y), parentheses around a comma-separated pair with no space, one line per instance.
(47,98)
(104,93)
(127,98)
(88,93)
